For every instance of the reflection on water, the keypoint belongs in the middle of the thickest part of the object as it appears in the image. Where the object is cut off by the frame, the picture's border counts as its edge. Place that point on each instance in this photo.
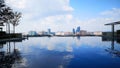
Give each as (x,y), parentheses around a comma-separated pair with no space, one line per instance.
(9,58)
(78,37)
(60,52)
(112,50)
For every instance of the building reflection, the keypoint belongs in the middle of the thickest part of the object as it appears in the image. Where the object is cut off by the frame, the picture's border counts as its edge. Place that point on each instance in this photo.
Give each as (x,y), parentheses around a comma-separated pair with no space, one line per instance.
(78,37)
(9,56)
(112,50)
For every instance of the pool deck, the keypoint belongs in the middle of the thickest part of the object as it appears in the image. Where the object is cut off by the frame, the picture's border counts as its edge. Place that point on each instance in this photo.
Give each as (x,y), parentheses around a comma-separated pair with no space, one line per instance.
(12,39)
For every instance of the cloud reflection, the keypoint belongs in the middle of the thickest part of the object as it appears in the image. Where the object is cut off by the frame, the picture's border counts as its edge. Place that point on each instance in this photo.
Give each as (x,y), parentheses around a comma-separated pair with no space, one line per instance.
(62,44)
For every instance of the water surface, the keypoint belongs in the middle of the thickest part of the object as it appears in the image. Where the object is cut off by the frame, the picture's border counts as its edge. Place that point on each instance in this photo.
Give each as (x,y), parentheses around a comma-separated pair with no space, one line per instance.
(61,52)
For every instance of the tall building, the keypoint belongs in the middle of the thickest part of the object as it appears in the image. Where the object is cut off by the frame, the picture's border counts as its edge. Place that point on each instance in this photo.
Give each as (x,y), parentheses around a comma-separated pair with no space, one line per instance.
(73,31)
(78,29)
(49,31)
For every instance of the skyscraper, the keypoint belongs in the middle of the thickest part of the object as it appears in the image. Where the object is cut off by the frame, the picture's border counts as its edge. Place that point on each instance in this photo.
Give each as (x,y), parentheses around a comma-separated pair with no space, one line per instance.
(78,29)
(73,31)
(49,31)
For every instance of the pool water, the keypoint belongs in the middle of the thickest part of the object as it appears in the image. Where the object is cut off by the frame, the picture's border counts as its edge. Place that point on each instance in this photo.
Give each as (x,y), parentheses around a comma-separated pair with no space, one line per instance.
(60,52)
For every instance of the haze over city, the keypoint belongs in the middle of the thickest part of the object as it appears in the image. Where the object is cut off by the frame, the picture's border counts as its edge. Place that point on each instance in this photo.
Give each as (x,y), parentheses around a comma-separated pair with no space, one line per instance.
(64,15)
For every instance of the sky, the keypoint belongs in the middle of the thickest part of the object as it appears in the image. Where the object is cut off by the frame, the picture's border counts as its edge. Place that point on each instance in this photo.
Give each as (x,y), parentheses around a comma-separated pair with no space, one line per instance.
(64,15)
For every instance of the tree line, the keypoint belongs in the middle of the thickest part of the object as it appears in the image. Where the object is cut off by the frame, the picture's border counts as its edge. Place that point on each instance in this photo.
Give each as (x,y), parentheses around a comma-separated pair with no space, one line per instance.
(8,16)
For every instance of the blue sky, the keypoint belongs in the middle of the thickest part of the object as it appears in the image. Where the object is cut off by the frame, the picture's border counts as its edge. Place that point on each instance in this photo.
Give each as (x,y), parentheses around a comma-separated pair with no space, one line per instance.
(92,8)
(64,15)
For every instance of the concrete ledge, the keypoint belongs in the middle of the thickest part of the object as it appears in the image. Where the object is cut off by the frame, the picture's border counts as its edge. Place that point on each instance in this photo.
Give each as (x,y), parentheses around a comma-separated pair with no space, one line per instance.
(12,39)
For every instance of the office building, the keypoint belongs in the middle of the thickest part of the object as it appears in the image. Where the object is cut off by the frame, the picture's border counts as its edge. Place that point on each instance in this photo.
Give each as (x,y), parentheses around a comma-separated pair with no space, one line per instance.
(73,31)
(32,33)
(78,29)
(49,31)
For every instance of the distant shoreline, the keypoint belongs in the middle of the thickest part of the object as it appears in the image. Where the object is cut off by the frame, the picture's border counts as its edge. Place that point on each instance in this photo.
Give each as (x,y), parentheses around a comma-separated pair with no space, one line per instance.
(58,35)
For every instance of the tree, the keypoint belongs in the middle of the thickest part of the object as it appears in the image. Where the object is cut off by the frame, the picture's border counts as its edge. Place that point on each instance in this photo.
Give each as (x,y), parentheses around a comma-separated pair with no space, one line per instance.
(7,14)
(15,20)
(1,7)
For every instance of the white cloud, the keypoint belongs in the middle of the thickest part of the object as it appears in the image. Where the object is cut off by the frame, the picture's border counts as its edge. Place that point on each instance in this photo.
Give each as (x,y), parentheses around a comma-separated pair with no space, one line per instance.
(57,14)
(66,22)
(45,13)
(56,23)
(112,12)
(40,8)
(17,3)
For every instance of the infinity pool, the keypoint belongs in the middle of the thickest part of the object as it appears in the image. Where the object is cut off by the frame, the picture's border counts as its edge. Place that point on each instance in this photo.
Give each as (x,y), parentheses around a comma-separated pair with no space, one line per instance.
(60,52)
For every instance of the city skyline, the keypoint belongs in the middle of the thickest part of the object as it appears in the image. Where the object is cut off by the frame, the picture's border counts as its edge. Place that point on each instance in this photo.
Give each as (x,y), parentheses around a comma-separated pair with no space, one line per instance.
(63,15)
